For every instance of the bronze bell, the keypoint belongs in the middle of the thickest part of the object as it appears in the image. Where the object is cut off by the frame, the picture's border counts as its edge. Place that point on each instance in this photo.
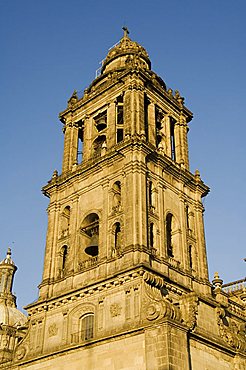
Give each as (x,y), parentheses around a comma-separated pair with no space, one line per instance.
(101,123)
(92,248)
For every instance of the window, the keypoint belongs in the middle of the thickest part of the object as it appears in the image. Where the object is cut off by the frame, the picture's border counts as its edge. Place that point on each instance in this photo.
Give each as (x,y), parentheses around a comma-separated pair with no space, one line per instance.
(98,144)
(117,236)
(169,245)
(65,221)
(80,141)
(158,125)
(64,257)
(146,116)
(87,327)
(172,139)
(119,119)
(90,228)
(101,121)
(150,194)
(151,235)
(190,256)
(187,217)
(119,135)
(116,189)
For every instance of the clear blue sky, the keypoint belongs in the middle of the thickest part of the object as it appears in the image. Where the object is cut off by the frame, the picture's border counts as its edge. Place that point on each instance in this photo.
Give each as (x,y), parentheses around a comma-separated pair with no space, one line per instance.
(51,47)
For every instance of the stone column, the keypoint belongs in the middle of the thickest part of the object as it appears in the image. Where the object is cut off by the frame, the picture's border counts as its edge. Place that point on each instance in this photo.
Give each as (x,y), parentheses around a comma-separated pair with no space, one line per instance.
(127,112)
(87,145)
(50,250)
(104,233)
(201,246)
(177,142)
(111,123)
(70,146)
(184,141)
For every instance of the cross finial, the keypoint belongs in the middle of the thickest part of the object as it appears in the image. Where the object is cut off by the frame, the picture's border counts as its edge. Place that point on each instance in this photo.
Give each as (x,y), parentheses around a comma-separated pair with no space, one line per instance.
(126,31)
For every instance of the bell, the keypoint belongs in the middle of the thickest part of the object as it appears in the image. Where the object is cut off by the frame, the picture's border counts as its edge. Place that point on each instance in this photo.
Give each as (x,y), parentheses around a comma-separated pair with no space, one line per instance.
(101,124)
(92,248)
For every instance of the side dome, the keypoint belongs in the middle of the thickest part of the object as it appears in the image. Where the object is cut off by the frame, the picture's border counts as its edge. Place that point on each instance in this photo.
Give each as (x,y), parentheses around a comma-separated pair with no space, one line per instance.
(126,50)
(11,316)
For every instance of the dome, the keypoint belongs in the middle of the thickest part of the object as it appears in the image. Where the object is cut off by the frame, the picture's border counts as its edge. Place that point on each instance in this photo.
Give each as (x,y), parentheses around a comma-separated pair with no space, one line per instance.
(119,55)
(11,316)
(7,260)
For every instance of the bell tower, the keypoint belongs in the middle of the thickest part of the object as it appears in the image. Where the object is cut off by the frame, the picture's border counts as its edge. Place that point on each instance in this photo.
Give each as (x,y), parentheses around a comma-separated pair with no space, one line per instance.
(125,196)
(125,279)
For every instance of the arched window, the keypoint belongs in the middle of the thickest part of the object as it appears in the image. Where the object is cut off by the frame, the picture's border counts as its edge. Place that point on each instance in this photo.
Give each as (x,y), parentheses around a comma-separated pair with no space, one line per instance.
(99,144)
(90,228)
(64,257)
(169,221)
(187,217)
(150,194)
(119,119)
(65,221)
(116,196)
(190,252)
(172,139)
(117,236)
(87,327)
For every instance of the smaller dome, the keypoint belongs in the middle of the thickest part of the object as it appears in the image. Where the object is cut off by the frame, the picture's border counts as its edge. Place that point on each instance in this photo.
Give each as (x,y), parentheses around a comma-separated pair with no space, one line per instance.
(119,54)
(11,316)
(7,260)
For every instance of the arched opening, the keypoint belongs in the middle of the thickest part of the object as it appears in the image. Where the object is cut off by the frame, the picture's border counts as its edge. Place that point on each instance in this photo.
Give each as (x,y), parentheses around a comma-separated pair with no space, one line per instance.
(99,144)
(117,237)
(119,119)
(151,235)
(190,257)
(90,227)
(65,221)
(116,196)
(87,326)
(172,139)
(64,257)
(169,244)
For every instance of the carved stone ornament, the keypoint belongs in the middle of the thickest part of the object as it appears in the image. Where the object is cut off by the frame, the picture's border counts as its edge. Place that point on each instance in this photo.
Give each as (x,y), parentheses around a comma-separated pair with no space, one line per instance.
(20,353)
(231,331)
(156,303)
(189,309)
(115,309)
(52,330)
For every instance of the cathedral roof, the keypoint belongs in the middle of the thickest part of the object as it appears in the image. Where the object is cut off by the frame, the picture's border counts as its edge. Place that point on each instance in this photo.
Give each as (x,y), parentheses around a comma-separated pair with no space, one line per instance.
(120,53)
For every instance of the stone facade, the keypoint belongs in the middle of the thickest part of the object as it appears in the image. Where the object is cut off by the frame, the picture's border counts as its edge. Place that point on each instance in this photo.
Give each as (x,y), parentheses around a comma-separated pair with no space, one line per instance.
(125,280)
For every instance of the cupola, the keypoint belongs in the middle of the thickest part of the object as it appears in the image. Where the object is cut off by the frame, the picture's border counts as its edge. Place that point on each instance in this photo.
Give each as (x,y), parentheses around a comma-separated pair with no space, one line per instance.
(124,53)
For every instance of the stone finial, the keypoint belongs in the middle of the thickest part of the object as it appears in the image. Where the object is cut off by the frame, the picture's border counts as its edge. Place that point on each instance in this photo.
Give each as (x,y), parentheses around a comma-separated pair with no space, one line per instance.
(197,176)
(217,282)
(55,174)
(170,92)
(74,98)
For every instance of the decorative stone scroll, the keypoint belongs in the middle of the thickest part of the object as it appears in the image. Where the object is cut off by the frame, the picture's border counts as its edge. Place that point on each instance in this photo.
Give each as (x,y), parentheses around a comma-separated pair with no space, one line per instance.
(231,331)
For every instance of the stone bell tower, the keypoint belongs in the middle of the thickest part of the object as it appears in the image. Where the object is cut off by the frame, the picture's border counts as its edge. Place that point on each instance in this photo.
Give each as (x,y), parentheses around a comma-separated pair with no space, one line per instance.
(125,261)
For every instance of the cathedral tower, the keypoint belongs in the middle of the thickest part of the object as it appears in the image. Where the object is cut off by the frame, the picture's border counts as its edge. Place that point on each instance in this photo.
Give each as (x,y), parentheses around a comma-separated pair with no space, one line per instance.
(125,280)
